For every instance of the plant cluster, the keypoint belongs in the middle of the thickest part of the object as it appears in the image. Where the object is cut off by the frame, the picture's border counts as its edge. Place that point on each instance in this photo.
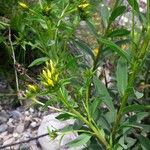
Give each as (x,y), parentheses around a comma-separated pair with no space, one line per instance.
(110,115)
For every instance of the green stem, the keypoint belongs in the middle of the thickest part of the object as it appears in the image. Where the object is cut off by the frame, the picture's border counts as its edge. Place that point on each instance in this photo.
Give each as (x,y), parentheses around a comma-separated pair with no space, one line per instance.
(58,24)
(133,34)
(97,133)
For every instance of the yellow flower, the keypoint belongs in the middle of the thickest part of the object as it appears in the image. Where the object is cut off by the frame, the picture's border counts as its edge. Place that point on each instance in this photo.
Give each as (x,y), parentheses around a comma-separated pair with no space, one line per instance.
(23,5)
(95,51)
(84,5)
(32,88)
(49,75)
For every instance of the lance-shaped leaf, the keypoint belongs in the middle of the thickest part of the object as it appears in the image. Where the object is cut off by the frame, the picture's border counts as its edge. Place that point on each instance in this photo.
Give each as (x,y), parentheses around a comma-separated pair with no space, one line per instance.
(38,61)
(103,93)
(136,108)
(118,32)
(117,12)
(81,140)
(122,75)
(134,4)
(115,48)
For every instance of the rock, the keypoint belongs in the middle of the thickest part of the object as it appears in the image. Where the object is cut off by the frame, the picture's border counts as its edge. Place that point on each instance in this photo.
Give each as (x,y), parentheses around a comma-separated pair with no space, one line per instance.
(11,120)
(4,134)
(15,114)
(27,124)
(28,118)
(3,117)
(20,128)
(10,129)
(31,110)
(26,136)
(3,127)
(27,113)
(33,145)
(54,124)
(24,147)
(9,141)
(33,125)
(15,135)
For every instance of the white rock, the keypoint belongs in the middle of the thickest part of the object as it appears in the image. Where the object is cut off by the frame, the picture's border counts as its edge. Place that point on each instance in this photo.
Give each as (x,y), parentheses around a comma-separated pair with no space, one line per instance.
(3,127)
(28,118)
(9,141)
(20,128)
(15,135)
(4,134)
(33,124)
(31,110)
(26,113)
(54,124)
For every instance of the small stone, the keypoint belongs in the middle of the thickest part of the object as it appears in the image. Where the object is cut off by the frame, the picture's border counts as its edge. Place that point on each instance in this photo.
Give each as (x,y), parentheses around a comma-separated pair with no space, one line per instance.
(27,124)
(10,129)
(33,125)
(28,118)
(27,113)
(33,145)
(20,128)
(9,141)
(26,136)
(3,128)
(31,110)
(3,117)
(39,114)
(15,135)
(15,114)
(11,120)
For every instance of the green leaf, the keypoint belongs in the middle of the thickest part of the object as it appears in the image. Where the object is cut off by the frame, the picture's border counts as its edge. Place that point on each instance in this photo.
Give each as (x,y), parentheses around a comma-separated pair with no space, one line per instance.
(134,4)
(84,47)
(138,94)
(81,140)
(92,28)
(94,105)
(117,12)
(38,61)
(118,32)
(145,142)
(65,116)
(122,75)
(136,108)
(105,15)
(103,93)
(115,48)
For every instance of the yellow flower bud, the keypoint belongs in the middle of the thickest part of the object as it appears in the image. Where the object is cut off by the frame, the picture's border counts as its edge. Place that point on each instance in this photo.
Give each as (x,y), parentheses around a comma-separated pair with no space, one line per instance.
(96,51)
(32,88)
(23,5)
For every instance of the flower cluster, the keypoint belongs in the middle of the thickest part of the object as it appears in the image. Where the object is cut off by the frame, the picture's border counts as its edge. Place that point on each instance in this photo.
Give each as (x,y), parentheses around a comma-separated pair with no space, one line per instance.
(49,75)
(83,9)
